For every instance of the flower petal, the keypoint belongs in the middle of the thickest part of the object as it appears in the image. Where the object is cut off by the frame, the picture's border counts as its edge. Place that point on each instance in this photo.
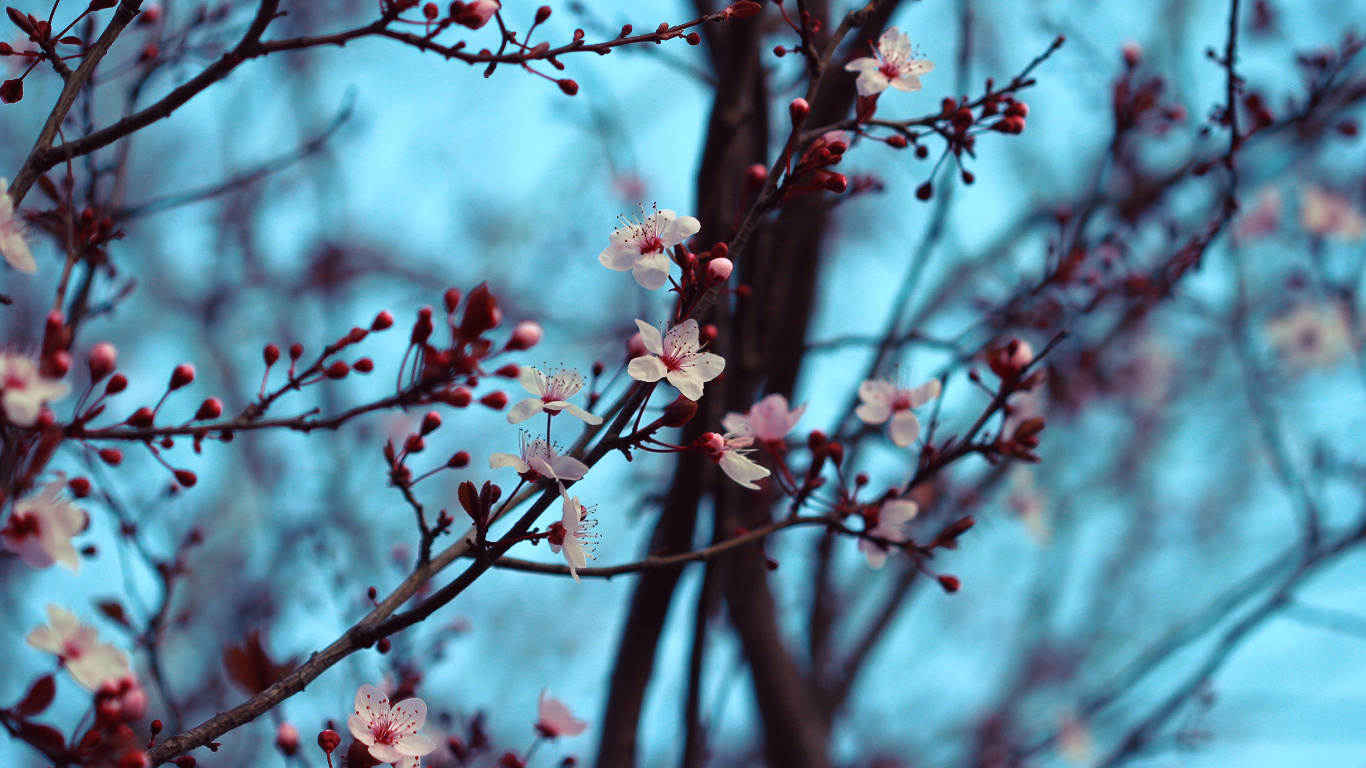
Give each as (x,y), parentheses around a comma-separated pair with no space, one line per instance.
(648,368)
(706,366)
(871,83)
(532,380)
(687,383)
(580,413)
(681,336)
(408,717)
(619,256)
(904,429)
(740,469)
(926,392)
(360,729)
(525,410)
(568,468)
(651,270)
(907,83)
(862,65)
(500,460)
(876,391)
(370,701)
(678,230)
(873,413)
(735,422)
(650,336)
(415,745)
(385,753)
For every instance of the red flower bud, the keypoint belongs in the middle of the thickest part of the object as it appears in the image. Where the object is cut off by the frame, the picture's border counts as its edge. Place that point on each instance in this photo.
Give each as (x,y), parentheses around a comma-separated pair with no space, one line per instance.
(568,86)
(459,460)
(431,422)
(111,456)
(296,351)
(11,91)
(542,14)
(525,335)
(798,110)
(836,182)
(950,584)
(271,353)
(80,487)
(924,191)
(142,417)
(287,739)
(186,478)
(210,409)
(181,376)
(117,383)
(363,365)
(382,321)
(896,141)
(481,312)
(495,400)
(103,358)
(328,741)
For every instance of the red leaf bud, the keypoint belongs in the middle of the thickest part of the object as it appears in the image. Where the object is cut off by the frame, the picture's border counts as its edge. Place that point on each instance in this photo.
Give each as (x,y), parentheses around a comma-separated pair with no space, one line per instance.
(742,10)
(679,412)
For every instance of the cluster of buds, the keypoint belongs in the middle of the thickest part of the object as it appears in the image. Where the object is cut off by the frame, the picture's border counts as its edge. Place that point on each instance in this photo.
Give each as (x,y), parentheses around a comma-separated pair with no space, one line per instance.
(701,272)
(452,370)
(812,171)
(1137,101)
(91,235)
(112,742)
(1021,443)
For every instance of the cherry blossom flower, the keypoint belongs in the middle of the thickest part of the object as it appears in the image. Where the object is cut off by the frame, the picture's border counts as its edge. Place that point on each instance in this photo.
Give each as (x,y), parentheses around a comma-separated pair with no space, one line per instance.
(676,356)
(573,533)
(391,733)
(12,245)
(642,246)
(551,394)
(1329,214)
(40,528)
(1030,505)
(23,389)
(539,459)
(90,662)
(891,526)
(891,64)
(120,699)
(728,451)
(883,400)
(1312,336)
(553,718)
(768,420)
(1261,219)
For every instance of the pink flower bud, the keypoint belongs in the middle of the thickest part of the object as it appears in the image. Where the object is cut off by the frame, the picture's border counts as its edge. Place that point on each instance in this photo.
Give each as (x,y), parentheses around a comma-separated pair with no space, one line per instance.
(525,335)
(718,271)
(103,358)
(287,739)
(431,422)
(798,110)
(181,376)
(382,321)
(476,14)
(709,444)
(210,409)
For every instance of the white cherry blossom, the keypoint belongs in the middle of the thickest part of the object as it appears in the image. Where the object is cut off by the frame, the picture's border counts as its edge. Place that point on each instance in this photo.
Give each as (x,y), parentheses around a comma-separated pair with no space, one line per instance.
(390,732)
(1330,214)
(883,400)
(676,356)
(539,459)
(642,245)
(551,394)
(573,534)
(768,420)
(892,64)
(40,528)
(553,718)
(12,245)
(90,662)
(23,389)
(891,526)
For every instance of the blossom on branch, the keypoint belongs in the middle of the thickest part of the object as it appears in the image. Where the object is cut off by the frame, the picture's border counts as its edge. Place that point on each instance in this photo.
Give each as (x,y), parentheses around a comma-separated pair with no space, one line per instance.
(642,245)
(1312,335)
(12,245)
(23,388)
(890,527)
(572,534)
(883,400)
(768,420)
(677,356)
(728,451)
(551,394)
(77,646)
(390,733)
(40,528)
(892,64)
(539,459)
(1329,214)
(553,718)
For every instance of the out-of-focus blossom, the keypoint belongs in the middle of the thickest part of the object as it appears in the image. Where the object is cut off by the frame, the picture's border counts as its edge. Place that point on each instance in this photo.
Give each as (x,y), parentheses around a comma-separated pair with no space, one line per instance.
(1262,219)
(390,732)
(120,700)
(883,401)
(642,245)
(23,389)
(1329,214)
(1312,335)
(768,420)
(892,64)
(1028,502)
(13,247)
(676,356)
(90,662)
(573,534)
(539,459)
(475,14)
(553,718)
(40,528)
(551,394)
(1074,740)
(892,518)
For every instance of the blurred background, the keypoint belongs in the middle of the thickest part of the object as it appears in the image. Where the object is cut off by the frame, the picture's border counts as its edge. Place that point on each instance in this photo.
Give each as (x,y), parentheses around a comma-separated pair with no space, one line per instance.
(1141,596)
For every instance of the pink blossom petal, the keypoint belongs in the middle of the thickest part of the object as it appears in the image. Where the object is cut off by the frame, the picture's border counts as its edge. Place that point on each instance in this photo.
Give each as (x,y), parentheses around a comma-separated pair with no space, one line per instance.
(651,270)
(651,338)
(568,468)
(873,413)
(532,380)
(525,410)
(862,65)
(415,745)
(408,717)
(500,460)
(688,383)
(360,729)
(385,753)
(580,413)
(904,429)
(740,469)
(370,702)
(619,256)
